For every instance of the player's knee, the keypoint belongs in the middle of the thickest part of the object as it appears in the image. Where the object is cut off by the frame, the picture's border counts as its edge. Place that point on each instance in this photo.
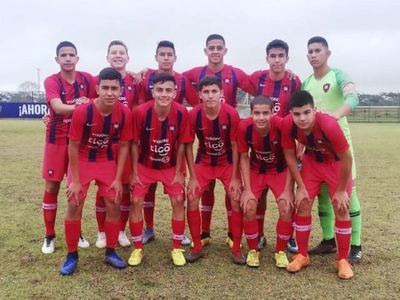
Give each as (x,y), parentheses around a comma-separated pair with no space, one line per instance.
(178,201)
(52,187)
(285,211)
(250,210)
(304,208)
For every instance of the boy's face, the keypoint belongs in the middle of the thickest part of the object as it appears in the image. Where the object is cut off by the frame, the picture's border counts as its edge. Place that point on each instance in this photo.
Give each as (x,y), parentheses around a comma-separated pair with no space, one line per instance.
(108,91)
(215,51)
(317,55)
(210,95)
(117,57)
(261,115)
(303,117)
(165,58)
(67,58)
(164,93)
(277,59)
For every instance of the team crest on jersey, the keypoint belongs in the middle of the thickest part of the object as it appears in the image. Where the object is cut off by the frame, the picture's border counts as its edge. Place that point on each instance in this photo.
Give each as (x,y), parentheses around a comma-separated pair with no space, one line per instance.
(319,142)
(285,88)
(50,172)
(224,126)
(326,87)
(129,87)
(171,127)
(227,80)
(116,125)
(82,86)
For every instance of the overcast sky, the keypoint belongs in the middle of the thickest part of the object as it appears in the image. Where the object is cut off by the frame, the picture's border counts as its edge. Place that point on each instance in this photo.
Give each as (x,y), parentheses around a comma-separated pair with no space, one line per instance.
(364,36)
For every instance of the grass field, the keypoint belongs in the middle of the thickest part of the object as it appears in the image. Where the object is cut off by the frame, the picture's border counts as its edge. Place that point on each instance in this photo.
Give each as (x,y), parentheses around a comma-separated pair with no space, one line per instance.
(26,273)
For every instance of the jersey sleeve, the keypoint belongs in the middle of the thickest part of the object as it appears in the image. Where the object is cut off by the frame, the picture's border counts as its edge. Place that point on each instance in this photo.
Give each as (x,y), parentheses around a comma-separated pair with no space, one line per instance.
(242,145)
(77,124)
(191,75)
(137,124)
(244,81)
(191,95)
(254,81)
(142,92)
(234,125)
(126,132)
(348,88)
(52,89)
(91,93)
(287,140)
(192,125)
(184,130)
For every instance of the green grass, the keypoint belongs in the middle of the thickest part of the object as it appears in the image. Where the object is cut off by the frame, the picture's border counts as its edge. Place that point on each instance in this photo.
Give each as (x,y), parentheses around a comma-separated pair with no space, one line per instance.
(26,273)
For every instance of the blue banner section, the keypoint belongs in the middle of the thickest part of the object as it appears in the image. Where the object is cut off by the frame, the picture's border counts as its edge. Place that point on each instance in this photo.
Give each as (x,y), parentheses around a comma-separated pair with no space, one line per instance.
(21,110)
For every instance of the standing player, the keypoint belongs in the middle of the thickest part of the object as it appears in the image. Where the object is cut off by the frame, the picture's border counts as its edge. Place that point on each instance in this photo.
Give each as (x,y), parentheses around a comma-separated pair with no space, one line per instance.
(278,84)
(118,58)
(327,160)
(65,91)
(231,78)
(165,57)
(334,93)
(159,134)
(265,169)
(93,128)
(215,125)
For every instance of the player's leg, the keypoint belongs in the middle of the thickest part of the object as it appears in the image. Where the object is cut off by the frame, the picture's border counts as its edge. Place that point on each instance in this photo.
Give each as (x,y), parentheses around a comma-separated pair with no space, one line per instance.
(355,255)
(260,215)
(100,218)
(250,229)
(207,205)
(326,217)
(124,206)
(49,206)
(148,212)
(178,228)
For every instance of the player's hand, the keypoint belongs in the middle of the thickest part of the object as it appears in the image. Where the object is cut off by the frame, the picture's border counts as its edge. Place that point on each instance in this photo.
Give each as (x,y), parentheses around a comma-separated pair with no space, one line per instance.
(235,189)
(300,152)
(192,187)
(74,193)
(246,196)
(116,185)
(46,119)
(341,200)
(301,195)
(81,100)
(287,197)
(292,75)
(139,77)
(179,179)
(334,115)
(135,181)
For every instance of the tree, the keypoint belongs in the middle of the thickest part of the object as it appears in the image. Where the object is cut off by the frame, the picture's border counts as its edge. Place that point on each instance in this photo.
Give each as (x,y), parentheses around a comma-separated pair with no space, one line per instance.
(28,86)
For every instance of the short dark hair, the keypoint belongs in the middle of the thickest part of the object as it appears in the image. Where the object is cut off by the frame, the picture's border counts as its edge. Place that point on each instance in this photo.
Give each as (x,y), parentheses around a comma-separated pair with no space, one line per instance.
(117,43)
(210,80)
(277,44)
(165,44)
(110,74)
(65,44)
(163,77)
(215,36)
(300,99)
(319,40)
(261,100)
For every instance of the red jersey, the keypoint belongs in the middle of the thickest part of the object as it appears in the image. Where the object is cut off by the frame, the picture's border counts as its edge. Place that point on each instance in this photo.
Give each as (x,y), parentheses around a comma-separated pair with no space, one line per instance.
(159,140)
(96,132)
(215,136)
(323,144)
(279,91)
(231,79)
(266,153)
(129,93)
(184,88)
(56,87)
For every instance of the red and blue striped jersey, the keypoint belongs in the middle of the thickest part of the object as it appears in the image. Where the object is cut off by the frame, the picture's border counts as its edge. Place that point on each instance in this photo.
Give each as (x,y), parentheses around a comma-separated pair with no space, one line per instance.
(215,136)
(184,88)
(232,78)
(266,153)
(324,142)
(96,132)
(56,87)
(159,140)
(279,91)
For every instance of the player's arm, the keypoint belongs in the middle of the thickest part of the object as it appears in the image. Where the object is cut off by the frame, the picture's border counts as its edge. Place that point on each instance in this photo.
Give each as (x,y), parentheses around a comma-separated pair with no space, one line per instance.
(135,158)
(245,82)
(117,183)
(235,184)
(341,197)
(193,184)
(245,170)
(75,188)
(179,157)
(60,108)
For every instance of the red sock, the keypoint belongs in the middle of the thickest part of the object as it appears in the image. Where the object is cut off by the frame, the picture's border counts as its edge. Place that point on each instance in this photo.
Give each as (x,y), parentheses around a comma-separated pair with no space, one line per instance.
(137,234)
(283,233)
(343,237)
(193,218)
(207,205)
(303,230)
(112,231)
(260,216)
(49,206)
(72,231)
(148,206)
(250,229)
(237,229)
(100,212)
(124,208)
(178,230)
(228,207)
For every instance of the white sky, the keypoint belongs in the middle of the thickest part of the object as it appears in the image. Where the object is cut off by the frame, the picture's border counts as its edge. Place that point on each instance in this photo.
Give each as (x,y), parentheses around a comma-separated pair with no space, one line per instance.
(364,36)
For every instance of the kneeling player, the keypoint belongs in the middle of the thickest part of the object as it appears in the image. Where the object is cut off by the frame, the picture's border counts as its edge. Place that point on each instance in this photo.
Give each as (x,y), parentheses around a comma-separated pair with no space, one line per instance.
(93,128)
(327,160)
(159,133)
(266,169)
(215,125)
